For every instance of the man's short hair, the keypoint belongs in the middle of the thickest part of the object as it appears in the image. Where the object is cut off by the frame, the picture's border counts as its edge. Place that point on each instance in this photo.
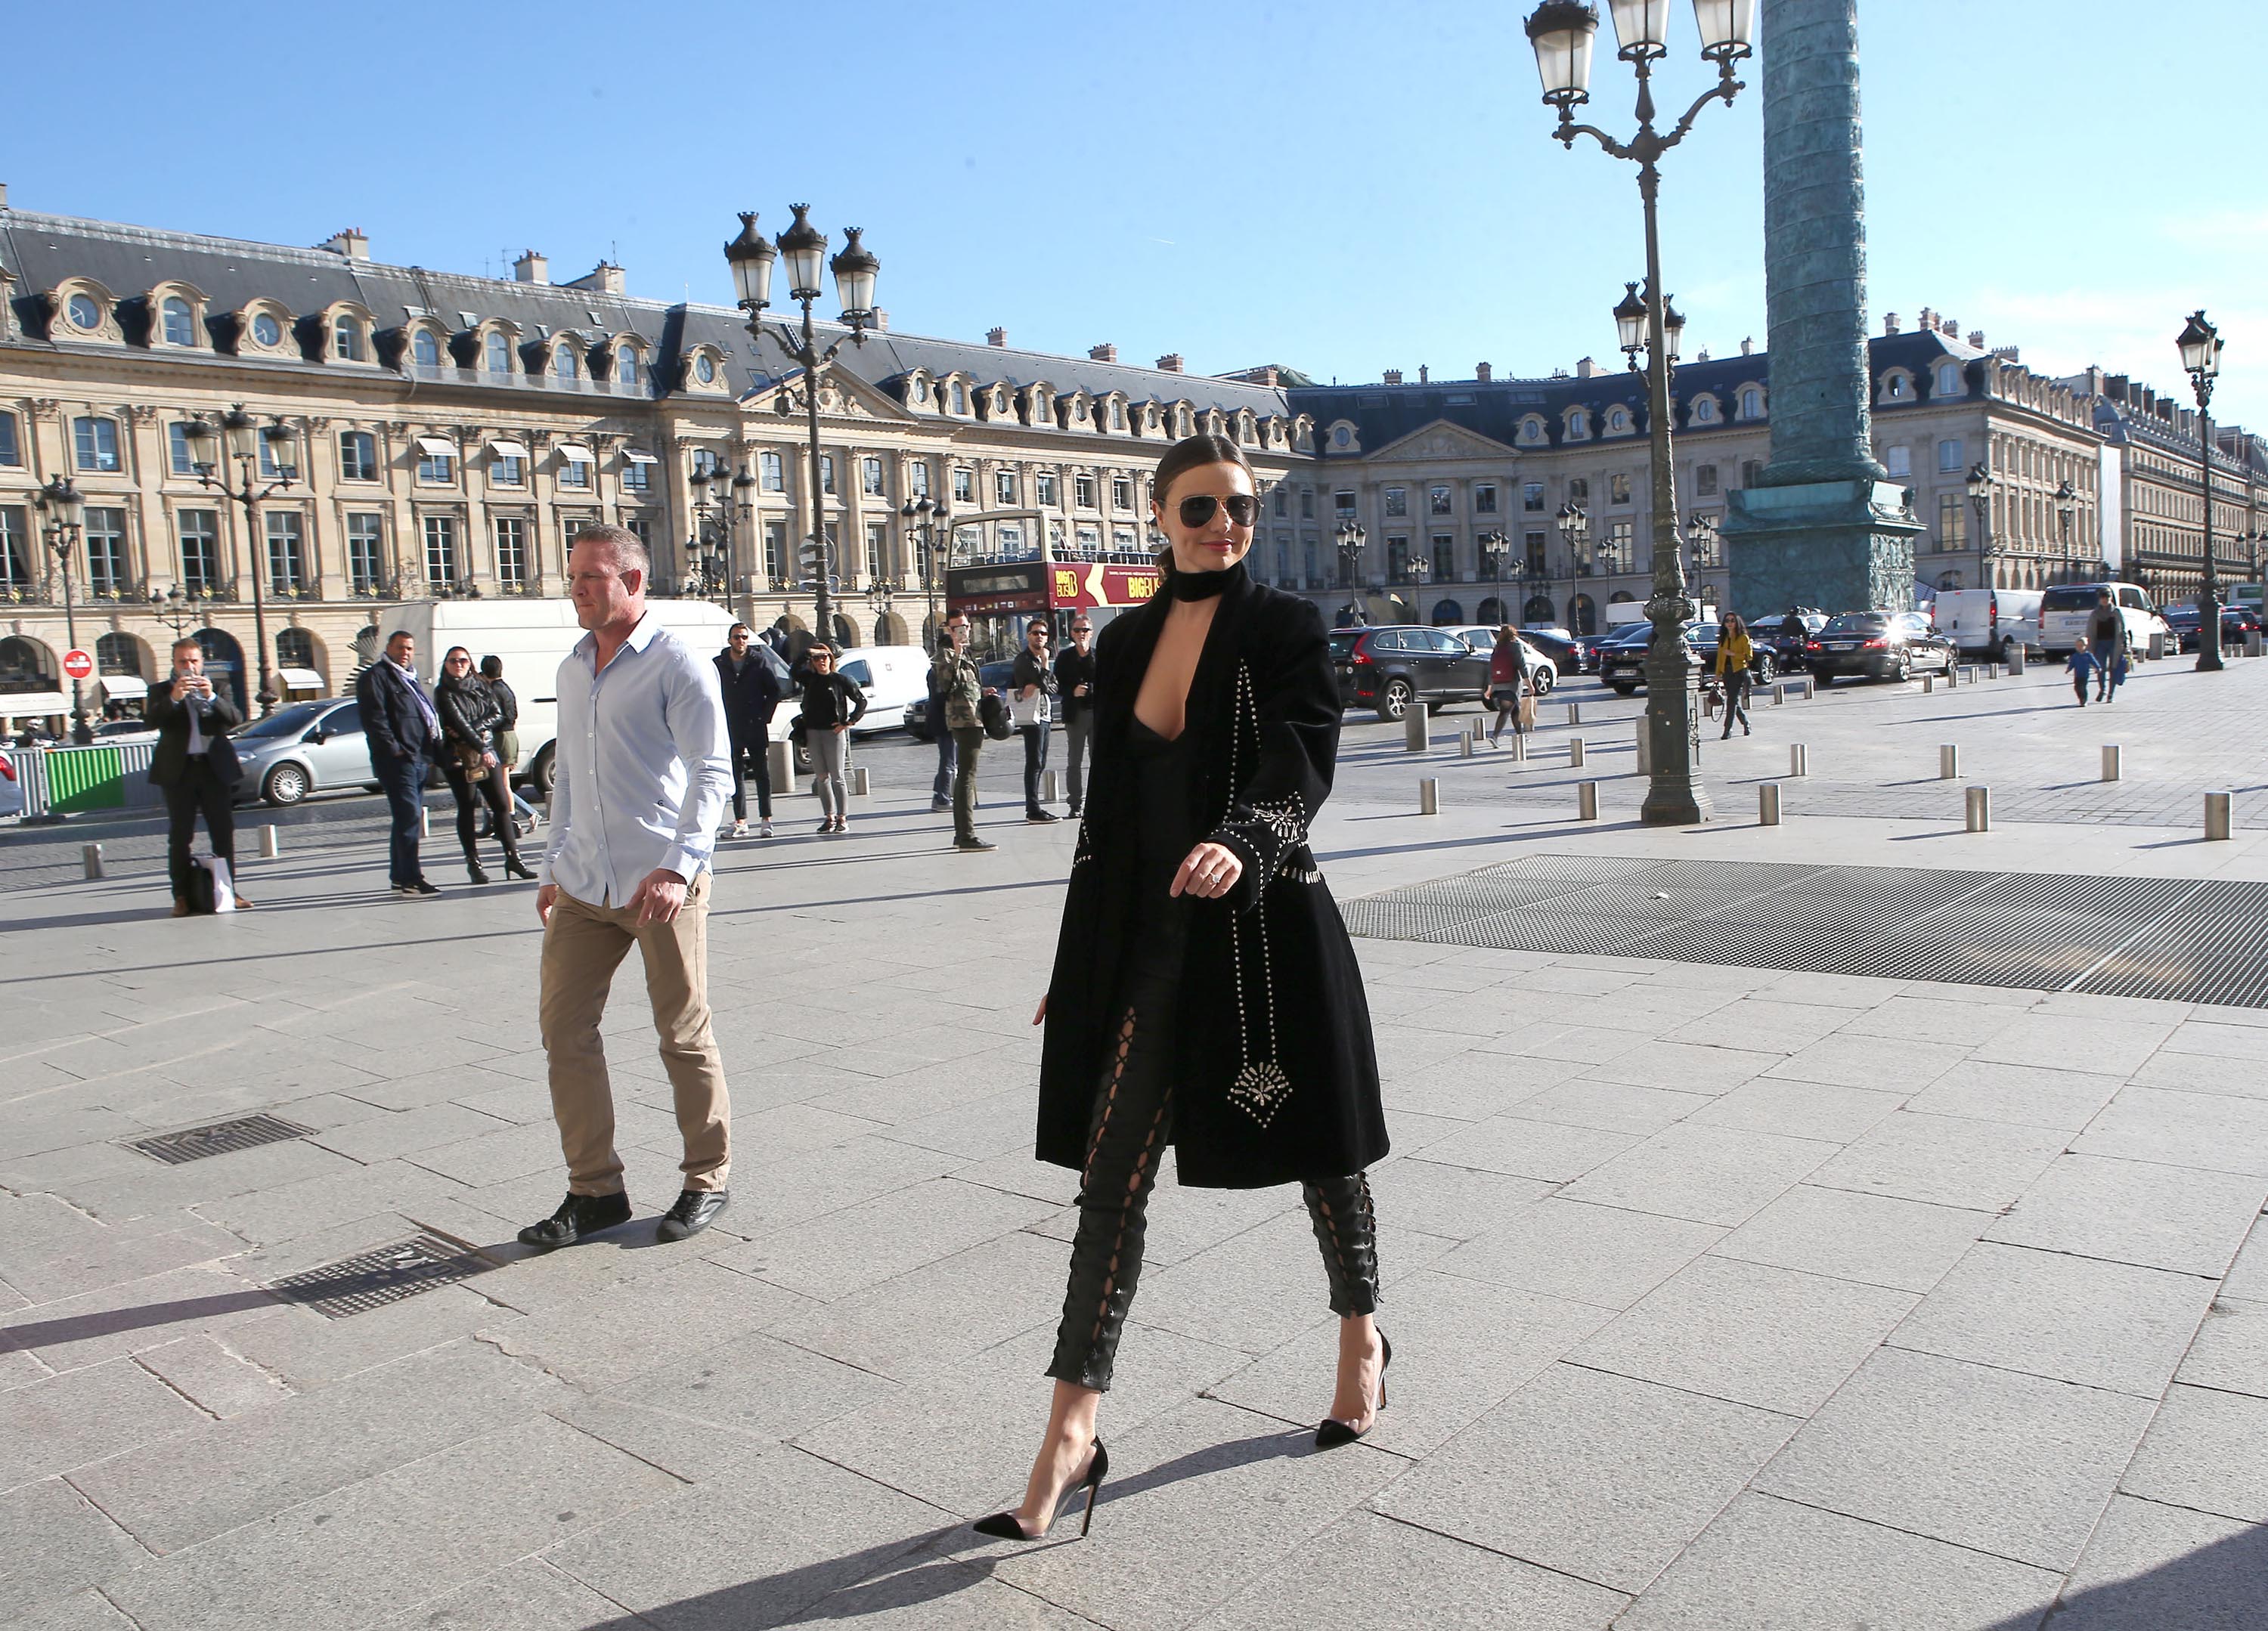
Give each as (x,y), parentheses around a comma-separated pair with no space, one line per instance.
(736,628)
(186,644)
(627,548)
(399,633)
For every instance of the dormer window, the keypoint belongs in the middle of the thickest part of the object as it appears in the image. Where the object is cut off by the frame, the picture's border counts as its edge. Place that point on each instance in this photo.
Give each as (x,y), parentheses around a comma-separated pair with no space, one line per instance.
(960,397)
(1752,402)
(1618,421)
(346,340)
(1117,415)
(1897,387)
(704,369)
(85,311)
(626,366)
(266,331)
(426,349)
(497,351)
(565,365)
(1579,425)
(1704,411)
(921,389)
(1948,379)
(176,322)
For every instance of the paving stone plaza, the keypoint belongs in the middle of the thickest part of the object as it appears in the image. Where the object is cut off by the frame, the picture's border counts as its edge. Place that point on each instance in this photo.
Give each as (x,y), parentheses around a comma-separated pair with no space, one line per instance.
(1722,1296)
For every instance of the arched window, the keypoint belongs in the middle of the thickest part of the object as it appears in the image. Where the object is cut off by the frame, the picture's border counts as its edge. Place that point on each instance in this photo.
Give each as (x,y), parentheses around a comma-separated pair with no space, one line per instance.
(1584,615)
(295,647)
(85,310)
(960,397)
(565,364)
(347,340)
(1117,418)
(1618,420)
(1897,387)
(1704,411)
(1539,609)
(626,365)
(266,330)
(499,354)
(1447,612)
(1752,402)
(181,322)
(1948,379)
(117,653)
(1578,423)
(1620,596)
(426,349)
(25,666)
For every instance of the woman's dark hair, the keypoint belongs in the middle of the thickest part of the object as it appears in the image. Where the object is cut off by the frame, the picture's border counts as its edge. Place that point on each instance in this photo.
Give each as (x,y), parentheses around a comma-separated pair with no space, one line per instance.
(1735,624)
(491,668)
(1190,452)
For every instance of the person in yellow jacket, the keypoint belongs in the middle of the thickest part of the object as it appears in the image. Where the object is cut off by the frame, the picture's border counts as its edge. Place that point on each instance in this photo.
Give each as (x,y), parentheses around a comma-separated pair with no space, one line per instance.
(1734,652)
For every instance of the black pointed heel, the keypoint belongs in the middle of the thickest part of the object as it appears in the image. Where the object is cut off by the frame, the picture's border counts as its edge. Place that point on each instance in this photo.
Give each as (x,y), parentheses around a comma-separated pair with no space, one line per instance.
(514,867)
(1331,1432)
(1008,1526)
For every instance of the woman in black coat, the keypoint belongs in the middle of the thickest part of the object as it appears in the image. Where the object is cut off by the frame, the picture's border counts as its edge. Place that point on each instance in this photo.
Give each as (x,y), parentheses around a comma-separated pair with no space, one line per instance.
(469,716)
(1204,992)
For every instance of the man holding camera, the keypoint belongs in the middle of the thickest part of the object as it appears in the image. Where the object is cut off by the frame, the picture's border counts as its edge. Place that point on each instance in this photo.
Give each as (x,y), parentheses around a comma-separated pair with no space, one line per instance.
(191,717)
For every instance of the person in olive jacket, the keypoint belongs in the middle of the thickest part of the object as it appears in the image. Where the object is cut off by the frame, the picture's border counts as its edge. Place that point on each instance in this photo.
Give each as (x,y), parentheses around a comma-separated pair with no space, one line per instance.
(1204,992)
(752,682)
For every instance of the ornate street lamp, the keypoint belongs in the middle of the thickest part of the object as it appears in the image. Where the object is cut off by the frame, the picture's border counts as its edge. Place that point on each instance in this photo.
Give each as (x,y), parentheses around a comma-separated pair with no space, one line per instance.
(803,248)
(1494,547)
(178,611)
(720,502)
(1350,537)
(243,437)
(930,532)
(1980,500)
(2200,347)
(65,528)
(2066,503)
(1561,32)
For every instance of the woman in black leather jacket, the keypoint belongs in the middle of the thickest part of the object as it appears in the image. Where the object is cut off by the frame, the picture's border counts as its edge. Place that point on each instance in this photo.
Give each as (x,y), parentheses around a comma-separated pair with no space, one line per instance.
(469,717)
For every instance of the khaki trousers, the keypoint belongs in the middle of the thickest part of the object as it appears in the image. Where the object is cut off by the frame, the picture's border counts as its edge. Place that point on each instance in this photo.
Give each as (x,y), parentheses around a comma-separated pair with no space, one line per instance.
(583,945)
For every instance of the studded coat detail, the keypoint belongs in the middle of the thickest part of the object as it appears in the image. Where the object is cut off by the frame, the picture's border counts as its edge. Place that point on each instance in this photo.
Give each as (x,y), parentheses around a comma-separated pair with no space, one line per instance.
(1276,1072)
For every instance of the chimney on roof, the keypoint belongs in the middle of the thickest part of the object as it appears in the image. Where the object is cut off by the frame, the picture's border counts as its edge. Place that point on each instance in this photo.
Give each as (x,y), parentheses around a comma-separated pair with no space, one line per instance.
(1171,363)
(1421,373)
(606,278)
(1976,338)
(350,243)
(1929,321)
(1481,372)
(995,336)
(1393,376)
(1585,368)
(531,267)
(1890,324)
(1103,353)
(4,194)
(1947,325)
(1748,346)
(881,321)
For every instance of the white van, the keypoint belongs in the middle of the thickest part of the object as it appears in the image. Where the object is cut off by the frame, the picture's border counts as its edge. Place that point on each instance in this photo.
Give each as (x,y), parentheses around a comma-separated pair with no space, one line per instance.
(1988,623)
(533,637)
(2066,610)
(891,676)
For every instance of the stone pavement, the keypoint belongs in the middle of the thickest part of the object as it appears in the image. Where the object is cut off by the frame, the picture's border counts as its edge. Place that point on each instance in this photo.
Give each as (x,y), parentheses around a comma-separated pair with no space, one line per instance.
(1720,1297)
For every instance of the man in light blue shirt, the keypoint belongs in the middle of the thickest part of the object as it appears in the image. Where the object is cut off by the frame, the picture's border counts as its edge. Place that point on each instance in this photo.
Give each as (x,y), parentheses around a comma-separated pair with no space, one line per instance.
(642,779)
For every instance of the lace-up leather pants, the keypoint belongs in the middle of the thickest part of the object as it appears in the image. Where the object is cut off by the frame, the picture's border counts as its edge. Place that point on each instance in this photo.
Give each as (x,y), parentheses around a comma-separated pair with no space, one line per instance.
(1133,1117)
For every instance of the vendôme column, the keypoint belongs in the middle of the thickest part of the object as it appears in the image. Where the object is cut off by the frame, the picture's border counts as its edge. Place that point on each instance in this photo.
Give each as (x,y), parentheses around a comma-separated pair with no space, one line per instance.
(1822,527)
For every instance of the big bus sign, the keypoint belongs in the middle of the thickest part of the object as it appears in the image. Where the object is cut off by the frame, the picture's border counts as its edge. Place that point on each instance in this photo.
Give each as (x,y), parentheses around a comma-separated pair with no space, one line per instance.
(1047,586)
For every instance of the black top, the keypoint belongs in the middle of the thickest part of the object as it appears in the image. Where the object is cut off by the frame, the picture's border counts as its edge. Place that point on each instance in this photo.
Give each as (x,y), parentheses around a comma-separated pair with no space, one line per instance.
(1073,670)
(468,711)
(831,700)
(1159,771)
(1029,670)
(752,695)
(507,704)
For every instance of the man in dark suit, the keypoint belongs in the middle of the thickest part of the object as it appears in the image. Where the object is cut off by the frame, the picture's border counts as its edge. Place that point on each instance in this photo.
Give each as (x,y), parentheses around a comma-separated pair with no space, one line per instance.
(190,716)
(404,733)
(752,692)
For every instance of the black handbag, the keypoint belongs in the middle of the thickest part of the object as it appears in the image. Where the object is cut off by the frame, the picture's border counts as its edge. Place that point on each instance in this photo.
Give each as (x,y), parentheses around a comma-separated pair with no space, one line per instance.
(220,753)
(994,716)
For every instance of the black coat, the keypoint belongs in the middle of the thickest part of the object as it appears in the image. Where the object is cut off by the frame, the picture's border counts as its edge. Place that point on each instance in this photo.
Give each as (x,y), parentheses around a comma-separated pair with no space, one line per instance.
(1276,1077)
(392,721)
(468,711)
(752,696)
(830,700)
(171,756)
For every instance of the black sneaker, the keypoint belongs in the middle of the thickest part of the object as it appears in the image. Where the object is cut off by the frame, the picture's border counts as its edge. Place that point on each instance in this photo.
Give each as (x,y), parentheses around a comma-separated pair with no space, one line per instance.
(413,891)
(937,805)
(973,844)
(1037,817)
(695,1211)
(577,1215)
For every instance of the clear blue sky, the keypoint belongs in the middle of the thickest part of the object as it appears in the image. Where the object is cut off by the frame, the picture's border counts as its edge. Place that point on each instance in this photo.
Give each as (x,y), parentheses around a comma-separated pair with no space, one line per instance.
(1343,186)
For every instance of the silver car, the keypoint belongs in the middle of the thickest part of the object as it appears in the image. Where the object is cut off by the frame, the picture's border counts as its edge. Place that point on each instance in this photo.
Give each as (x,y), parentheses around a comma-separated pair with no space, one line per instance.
(308,747)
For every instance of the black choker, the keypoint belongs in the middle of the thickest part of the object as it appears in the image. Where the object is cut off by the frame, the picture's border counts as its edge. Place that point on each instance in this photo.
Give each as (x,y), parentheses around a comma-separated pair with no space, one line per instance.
(1203,585)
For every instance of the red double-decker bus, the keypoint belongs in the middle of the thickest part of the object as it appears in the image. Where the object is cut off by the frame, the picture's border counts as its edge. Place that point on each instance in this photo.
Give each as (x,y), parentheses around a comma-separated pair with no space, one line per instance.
(1000,597)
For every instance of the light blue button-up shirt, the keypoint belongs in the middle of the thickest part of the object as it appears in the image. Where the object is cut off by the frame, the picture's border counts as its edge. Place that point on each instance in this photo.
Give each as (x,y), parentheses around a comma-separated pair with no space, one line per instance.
(642,774)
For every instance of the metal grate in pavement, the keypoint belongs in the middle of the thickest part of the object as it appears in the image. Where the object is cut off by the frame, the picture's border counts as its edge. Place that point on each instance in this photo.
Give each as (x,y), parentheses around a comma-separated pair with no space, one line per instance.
(369,1279)
(2133,936)
(219,1139)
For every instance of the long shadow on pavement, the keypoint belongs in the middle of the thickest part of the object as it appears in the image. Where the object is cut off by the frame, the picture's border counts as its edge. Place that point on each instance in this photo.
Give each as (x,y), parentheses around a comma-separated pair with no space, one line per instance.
(2224,1585)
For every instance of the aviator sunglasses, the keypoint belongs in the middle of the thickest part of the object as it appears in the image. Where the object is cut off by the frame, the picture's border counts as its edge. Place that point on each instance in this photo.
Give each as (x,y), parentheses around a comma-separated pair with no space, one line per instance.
(1197,509)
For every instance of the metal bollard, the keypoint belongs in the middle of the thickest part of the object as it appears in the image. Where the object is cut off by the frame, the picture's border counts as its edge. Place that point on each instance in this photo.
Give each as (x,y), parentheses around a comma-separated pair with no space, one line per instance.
(1948,762)
(1644,749)
(1587,801)
(1429,795)
(1779,696)
(1953,676)
(1992,670)
(1767,803)
(2216,815)
(2251,642)
(1968,673)
(271,846)
(1465,744)
(1417,729)
(2016,660)
(861,788)
(1978,802)
(91,857)
(782,757)
(1575,713)
(1519,747)
(1047,788)
(1574,753)
(1808,687)
(1797,761)
(424,822)
(2111,767)
(1928,684)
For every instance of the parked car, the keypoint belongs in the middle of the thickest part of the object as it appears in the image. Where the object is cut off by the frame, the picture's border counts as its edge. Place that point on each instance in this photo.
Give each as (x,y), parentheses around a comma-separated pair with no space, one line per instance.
(1764,658)
(301,749)
(2236,621)
(2065,610)
(1880,645)
(1988,624)
(1570,654)
(894,678)
(1543,673)
(1622,660)
(1390,666)
(115,731)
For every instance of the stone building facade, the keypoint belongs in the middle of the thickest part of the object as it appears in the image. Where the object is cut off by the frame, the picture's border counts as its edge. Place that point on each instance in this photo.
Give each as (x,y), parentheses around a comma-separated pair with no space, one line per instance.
(454,430)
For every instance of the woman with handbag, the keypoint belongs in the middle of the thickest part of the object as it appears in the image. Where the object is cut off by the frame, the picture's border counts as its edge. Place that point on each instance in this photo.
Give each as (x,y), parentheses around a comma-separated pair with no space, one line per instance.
(506,736)
(469,715)
(1507,680)
(832,704)
(1032,680)
(1734,652)
(1204,992)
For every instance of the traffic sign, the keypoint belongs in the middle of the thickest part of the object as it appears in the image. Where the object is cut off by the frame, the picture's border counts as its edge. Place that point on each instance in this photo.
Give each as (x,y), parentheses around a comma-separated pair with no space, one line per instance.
(78,663)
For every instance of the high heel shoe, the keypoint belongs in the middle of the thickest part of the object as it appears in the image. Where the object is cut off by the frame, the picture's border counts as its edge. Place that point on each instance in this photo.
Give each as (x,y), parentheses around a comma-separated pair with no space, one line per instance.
(514,867)
(480,873)
(1008,1526)
(1331,1432)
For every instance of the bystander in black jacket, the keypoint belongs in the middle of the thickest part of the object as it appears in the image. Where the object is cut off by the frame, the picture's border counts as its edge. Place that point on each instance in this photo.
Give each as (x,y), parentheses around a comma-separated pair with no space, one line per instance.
(1275,1076)
(752,696)
(830,700)
(1074,669)
(391,719)
(468,713)
(170,759)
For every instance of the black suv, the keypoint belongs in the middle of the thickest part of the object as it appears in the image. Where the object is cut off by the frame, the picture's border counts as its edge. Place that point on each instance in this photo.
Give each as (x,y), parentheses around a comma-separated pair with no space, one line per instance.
(1390,667)
(1622,660)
